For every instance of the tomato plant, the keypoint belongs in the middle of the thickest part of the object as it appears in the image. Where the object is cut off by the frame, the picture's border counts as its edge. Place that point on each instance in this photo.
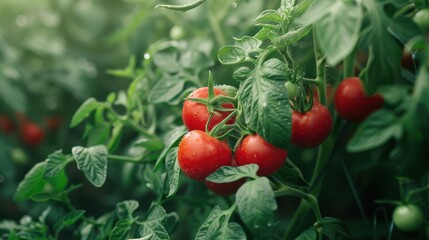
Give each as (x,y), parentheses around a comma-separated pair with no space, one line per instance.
(235,119)
(351,101)
(255,149)
(408,217)
(6,124)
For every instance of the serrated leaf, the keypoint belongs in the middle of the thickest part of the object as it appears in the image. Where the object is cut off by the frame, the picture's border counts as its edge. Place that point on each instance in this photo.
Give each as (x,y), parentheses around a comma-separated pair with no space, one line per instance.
(241,74)
(121,230)
(256,203)
(215,226)
(54,164)
(249,44)
(167,60)
(274,69)
(230,174)
(84,111)
(32,183)
(290,175)
(93,162)
(290,37)
(234,231)
(269,15)
(157,213)
(99,134)
(173,171)
(155,230)
(376,130)
(266,106)
(171,138)
(231,55)
(166,89)
(125,209)
(334,228)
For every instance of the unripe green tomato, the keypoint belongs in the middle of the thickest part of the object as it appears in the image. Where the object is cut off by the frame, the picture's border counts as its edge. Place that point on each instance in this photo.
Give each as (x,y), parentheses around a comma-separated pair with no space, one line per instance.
(422,19)
(408,217)
(176,33)
(19,156)
(292,89)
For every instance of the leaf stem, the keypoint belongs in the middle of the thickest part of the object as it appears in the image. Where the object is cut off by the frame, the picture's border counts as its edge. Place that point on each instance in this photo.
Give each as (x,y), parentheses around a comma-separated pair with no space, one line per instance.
(182,8)
(309,198)
(133,125)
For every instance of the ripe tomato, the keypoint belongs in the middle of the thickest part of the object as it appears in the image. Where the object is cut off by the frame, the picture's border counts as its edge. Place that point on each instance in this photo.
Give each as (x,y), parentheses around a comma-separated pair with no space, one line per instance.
(200,154)
(53,123)
(311,128)
(352,103)
(6,125)
(408,217)
(31,134)
(254,149)
(195,115)
(224,188)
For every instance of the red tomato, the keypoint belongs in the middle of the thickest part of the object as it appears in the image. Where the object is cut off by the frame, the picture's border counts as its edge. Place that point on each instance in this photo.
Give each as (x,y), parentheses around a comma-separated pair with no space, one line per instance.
(195,115)
(31,134)
(6,125)
(53,122)
(352,103)
(311,128)
(224,188)
(254,149)
(200,154)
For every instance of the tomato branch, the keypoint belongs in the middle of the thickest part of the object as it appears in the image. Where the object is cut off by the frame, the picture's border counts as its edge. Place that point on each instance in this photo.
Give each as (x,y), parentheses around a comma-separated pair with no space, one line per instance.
(309,198)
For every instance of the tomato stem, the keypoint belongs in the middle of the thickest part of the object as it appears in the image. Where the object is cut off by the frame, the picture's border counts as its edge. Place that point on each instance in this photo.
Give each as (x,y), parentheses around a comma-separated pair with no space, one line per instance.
(309,198)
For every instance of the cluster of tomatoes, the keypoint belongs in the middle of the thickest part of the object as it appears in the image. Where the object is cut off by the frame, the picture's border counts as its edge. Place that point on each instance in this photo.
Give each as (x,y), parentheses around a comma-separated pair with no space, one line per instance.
(30,133)
(200,154)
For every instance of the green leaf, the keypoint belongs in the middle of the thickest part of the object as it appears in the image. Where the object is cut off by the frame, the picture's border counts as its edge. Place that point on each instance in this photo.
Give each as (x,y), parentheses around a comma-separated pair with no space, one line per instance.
(93,162)
(72,217)
(115,136)
(241,74)
(231,55)
(230,174)
(155,230)
(249,44)
(269,16)
(290,175)
(256,203)
(315,12)
(125,209)
(308,234)
(121,230)
(171,138)
(173,171)
(266,106)
(153,226)
(32,183)
(291,37)
(84,111)
(166,89)
(274,69)
(55,163)
(99,134)
(333,228)
(376,130)
(167,60)
(216,226)
(383,65)
(338,31)
(195,59)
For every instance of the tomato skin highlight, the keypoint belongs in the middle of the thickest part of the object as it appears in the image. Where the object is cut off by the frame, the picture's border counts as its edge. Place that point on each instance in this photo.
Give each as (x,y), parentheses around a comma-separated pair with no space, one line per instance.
(200,154)
(408,217)
(195,115)
(254,149)
(311,128)
(352,103)
(31,134)
(224,189)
